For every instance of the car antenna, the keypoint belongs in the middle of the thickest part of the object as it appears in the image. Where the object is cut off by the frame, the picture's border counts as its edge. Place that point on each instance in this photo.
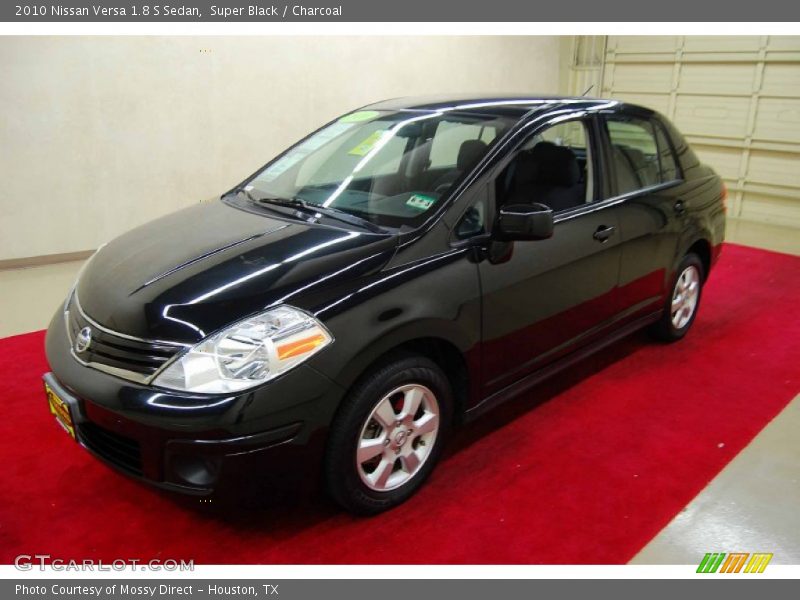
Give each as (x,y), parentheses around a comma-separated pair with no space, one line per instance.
(589,89)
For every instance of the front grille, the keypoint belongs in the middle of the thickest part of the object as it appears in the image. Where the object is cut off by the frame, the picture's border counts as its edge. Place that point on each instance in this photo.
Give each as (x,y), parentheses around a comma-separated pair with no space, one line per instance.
(116,449)
(137,356)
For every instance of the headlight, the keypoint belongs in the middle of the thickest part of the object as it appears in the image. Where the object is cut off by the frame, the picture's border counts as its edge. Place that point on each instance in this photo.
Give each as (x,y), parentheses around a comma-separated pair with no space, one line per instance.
(247,353)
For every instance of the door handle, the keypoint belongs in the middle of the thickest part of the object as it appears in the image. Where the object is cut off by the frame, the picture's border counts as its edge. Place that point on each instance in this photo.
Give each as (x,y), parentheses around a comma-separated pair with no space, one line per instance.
(603,233)
(680,207)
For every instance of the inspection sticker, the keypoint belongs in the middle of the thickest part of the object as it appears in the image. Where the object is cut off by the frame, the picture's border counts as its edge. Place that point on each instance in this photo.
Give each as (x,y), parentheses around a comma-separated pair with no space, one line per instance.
(368,144)
(420,202)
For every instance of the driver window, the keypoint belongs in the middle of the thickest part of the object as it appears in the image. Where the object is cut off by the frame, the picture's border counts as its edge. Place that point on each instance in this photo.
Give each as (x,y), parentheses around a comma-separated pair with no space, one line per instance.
(553,168)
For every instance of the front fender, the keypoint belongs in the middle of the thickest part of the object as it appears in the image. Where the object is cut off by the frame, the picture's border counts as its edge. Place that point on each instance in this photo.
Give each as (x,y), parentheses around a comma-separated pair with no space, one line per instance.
(438,297)
(403,334)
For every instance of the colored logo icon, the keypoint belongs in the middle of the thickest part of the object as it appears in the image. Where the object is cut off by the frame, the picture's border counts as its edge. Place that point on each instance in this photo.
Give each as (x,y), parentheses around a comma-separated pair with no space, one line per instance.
(734,562)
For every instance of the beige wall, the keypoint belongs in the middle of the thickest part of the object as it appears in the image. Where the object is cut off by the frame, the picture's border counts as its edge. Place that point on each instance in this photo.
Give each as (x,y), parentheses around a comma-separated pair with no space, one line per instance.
(100,134)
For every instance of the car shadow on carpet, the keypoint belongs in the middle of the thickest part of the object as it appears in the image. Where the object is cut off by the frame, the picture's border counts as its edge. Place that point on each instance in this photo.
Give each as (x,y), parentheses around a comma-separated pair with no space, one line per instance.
(542,393)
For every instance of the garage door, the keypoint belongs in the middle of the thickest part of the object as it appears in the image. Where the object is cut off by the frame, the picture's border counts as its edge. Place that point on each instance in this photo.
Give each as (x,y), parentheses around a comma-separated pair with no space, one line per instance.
(737,100)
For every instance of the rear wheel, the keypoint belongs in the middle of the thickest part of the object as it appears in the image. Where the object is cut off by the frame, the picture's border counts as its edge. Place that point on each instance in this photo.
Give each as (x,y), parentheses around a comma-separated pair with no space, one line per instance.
(388,435)
(683,301)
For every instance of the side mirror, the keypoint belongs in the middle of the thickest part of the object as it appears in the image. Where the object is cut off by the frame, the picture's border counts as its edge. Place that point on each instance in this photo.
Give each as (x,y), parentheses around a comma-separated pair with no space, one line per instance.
(524,222)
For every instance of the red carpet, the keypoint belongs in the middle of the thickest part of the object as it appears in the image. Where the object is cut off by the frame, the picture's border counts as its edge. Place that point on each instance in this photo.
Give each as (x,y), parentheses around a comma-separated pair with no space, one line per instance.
(586,469)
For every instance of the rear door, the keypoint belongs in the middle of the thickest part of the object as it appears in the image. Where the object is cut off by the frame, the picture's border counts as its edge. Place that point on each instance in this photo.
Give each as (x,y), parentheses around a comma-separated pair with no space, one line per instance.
(646,177)
(544,299)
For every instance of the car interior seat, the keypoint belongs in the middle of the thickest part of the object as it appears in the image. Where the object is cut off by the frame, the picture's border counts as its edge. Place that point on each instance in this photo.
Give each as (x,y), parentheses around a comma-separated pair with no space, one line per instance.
(638,168)
(548,174)
(469,153)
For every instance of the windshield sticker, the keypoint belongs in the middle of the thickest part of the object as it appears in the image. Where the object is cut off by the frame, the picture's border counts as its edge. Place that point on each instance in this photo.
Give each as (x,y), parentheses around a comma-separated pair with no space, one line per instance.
(420,202)
(279,167)
(359,116)
(324,136)
(319,139)
(368,144)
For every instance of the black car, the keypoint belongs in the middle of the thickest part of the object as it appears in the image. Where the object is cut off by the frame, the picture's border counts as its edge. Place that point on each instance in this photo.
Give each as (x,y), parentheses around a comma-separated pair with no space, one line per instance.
(401,270)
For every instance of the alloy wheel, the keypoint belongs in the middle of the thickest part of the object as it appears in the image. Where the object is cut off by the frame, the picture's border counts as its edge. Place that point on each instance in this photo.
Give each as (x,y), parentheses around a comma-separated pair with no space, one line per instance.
(684,297)
(397,437)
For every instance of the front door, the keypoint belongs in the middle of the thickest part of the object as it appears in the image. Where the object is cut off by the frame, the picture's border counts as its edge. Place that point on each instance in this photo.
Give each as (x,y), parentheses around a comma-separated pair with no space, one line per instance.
(544,299)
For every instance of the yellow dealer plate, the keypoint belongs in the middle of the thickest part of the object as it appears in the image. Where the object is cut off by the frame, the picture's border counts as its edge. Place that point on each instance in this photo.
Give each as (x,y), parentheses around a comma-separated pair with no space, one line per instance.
(60,410)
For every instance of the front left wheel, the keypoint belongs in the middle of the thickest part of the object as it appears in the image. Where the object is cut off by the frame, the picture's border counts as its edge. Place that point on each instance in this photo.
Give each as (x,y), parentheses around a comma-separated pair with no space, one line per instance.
(388,435)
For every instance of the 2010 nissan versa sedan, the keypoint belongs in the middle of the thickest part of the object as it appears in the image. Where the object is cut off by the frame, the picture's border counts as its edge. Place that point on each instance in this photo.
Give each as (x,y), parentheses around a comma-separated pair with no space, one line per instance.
(401,270)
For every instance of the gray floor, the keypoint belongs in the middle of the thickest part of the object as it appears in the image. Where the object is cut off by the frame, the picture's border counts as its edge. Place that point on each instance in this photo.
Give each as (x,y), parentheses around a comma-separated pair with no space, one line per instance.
(763,235)
(751,506)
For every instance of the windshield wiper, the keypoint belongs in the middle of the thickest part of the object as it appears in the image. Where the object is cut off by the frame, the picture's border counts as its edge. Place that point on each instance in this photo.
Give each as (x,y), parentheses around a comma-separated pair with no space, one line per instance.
(328,211)
(292,202)
(348,217)
(241,190)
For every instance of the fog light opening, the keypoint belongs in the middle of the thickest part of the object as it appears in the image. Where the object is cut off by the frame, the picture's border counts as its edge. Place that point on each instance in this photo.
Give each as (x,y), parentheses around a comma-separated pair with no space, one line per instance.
(196,470)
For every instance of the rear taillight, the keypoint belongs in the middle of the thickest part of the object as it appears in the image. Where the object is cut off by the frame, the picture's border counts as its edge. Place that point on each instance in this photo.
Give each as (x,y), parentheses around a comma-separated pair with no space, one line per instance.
(725,198)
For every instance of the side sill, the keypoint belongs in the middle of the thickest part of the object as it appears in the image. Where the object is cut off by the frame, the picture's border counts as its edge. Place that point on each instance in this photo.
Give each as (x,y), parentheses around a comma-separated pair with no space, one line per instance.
(527,382)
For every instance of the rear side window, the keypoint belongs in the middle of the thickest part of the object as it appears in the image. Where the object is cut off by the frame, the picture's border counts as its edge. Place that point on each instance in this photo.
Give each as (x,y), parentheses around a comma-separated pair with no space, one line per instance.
(669,166)
(634,154)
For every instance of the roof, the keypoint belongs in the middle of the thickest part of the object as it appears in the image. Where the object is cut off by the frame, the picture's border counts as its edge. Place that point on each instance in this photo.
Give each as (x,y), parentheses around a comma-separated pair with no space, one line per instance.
(515,105)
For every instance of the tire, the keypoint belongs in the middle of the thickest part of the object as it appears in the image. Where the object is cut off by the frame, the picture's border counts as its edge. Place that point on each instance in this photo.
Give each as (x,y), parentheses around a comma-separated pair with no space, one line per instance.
(388,474)
(688,283)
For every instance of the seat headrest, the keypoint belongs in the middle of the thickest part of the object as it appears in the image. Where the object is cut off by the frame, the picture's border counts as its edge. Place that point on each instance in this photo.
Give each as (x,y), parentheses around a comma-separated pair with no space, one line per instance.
(627,177)
(469,153)
(634,155)
(526,169)
(419,159)
(555,165)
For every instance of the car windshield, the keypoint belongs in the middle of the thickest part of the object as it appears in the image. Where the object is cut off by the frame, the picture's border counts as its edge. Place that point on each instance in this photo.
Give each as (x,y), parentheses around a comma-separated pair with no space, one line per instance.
(389,168)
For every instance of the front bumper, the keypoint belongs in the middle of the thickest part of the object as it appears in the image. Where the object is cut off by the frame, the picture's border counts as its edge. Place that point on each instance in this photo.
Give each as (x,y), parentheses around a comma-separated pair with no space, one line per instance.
(263,438)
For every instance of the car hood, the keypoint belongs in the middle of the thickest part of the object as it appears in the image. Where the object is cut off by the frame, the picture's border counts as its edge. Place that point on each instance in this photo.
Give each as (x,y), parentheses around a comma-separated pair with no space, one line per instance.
(190,273)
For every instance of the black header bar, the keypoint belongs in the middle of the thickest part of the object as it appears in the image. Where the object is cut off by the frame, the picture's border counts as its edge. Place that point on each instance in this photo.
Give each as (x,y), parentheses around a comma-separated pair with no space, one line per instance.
(400,11)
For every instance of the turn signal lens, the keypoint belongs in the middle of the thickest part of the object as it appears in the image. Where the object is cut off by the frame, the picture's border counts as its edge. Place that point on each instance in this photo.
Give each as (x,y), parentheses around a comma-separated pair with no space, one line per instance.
(248,353)
(300,347)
